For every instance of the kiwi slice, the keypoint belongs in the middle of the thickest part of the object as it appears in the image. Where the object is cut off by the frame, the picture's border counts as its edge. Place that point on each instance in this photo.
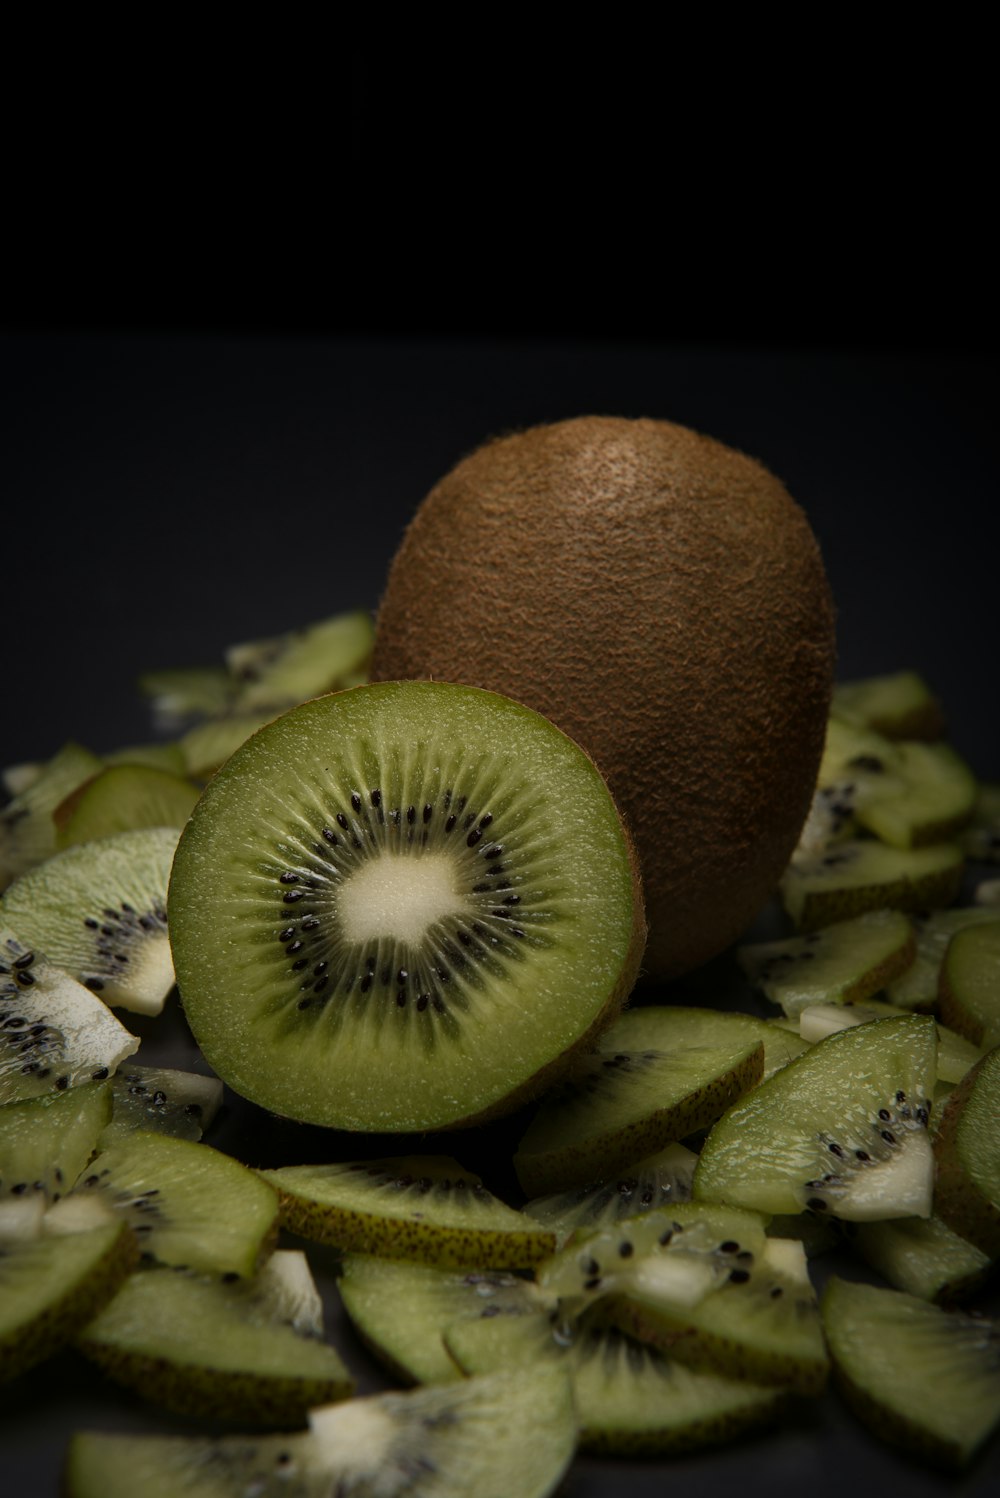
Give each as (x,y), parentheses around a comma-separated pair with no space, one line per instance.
(415,1207)
(161,1099)
(655,1076)
(99,910)
(46,1142)
(206,746)
(645,1186)
(53,1281)
(705,1284)
(27,831)
(923,1256)
(917,988)
(908,794)
(400,1310)
(289,668)
(123,797)
(201,1346)
(922,1378)
(899,705)
(845,962)
(631,1399)
(403,907)
(850,878)
(189,1205)
(177,694)
(494,1436)
(967,1154)
(955,1054)
(843,1129)
(969,992)
(54,1034)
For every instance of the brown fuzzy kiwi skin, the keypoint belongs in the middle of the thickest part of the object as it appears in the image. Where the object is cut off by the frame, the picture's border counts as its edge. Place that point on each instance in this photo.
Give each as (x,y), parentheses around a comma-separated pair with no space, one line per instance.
(661,598)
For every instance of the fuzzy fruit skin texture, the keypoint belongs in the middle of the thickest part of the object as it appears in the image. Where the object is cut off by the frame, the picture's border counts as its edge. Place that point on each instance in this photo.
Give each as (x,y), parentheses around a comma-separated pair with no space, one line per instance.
(661,598)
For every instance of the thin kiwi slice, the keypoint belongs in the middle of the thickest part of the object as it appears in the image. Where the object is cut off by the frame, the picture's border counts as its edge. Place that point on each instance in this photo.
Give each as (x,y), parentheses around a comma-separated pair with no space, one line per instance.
(161,1099)
(908,794)
(123,797)
(899,705)
(705,1284)
(424,1207)
(403,907)
(27,831)
(289,668)
(400,1310)
(494,1436)
(655,1076)
(967,1153)
(649,1184)
(178,694)
(54,1034)
(99,910)
(189,1205)
(969,992)
(922,1378)
(631,1399)
(917,988)
(845,962)
(201,1346)
(923,1256)
(955,1054)
(849,878)
(46,1142)
(843,1129)
(206,746)
(52,1281)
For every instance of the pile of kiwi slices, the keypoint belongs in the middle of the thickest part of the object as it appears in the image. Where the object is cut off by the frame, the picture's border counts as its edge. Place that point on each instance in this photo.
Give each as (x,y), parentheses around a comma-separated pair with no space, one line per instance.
(411,1184)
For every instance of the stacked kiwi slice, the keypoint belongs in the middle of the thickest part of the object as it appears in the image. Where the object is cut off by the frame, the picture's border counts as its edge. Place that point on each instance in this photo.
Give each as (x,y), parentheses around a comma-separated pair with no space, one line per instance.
(406,909)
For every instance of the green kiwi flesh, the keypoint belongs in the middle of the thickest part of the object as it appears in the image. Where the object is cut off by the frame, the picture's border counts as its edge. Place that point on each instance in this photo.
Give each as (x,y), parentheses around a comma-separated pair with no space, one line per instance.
(403,907)
(920,1377)
(27,831)
(917,988)
(842,1129)
(54,1033)
(99,910)
(899,705)
(122,798)
(645,1186)
(845,962)
(202,1346)
(505,1433)
(967,1155)
(161,1099)
(289,668)
(424,1207)
(922,1256)
(400,1310)
(46,1142)
(849,878)
(189,1205)
(969,992)
(655,1076)
(631,1399)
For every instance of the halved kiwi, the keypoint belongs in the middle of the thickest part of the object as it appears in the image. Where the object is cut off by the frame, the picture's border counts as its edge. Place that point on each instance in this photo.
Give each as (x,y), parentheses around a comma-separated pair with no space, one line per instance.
(403,907)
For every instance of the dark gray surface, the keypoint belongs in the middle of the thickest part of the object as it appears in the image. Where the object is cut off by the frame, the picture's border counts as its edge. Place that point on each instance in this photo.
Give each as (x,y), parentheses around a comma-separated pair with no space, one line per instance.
(167,496)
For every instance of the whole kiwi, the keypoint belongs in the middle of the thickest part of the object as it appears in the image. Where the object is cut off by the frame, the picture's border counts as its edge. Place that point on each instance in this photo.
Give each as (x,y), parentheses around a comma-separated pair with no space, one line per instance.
(661,598)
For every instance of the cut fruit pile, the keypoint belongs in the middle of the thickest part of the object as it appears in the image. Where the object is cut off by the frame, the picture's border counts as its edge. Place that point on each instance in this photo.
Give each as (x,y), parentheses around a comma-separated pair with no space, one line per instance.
(635,1269)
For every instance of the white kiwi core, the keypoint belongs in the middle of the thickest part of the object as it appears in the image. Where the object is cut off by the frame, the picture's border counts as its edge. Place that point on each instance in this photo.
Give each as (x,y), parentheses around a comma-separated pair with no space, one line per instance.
(399,898)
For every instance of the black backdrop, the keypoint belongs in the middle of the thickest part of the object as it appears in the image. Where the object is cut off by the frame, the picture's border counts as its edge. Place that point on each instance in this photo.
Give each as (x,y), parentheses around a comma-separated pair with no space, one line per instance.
(171,487)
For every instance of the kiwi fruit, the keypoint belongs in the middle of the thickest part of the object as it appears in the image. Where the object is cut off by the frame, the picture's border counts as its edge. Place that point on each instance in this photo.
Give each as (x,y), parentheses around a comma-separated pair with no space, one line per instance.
(969,991)
(99,910)
(27,830)
(841,1130)
(202,1346)
(899,705)
(655,1076)
(967,1156)
(403,907)
(925,1379)
(161,1099)
(423,1207)
(661,598)
(845,962)
(54,1033)
(839,882)
(495,1435)
(120,798)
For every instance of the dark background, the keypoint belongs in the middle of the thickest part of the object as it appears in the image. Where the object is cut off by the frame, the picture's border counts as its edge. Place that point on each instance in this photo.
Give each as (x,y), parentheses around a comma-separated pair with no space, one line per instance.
(233,360)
